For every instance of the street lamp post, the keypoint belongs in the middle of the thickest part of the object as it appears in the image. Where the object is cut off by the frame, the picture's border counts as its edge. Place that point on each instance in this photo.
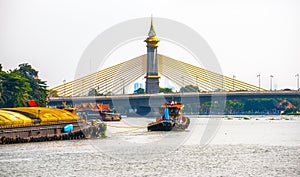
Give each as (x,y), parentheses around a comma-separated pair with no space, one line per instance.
(271,78)
(297,75)
(258,82)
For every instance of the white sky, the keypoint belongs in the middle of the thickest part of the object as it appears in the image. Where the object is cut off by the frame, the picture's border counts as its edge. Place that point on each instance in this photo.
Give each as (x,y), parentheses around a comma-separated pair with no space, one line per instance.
(248,37)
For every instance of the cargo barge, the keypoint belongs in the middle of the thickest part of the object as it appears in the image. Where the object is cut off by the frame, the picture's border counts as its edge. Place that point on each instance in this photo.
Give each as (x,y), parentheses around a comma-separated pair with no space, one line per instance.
(35,124)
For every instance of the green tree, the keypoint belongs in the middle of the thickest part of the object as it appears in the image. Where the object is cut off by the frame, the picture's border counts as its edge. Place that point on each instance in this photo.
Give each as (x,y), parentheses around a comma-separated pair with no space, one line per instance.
(94,92)
(38,87)
(260,104)
(139,91)
(20,85)
(2,101)
(189,88)
(233,106)
(165,90)
(15,90)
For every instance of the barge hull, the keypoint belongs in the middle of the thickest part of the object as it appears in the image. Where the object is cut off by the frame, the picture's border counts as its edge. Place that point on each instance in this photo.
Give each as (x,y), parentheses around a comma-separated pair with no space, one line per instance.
(48,132)
(163,126)
(160,126)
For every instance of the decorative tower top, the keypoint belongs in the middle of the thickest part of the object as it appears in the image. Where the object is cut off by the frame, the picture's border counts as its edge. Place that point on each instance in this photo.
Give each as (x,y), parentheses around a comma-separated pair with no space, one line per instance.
(152,39)
(151,32)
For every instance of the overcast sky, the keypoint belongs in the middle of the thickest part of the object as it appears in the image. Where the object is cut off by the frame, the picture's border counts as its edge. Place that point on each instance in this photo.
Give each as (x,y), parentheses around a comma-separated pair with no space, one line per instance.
(248,37)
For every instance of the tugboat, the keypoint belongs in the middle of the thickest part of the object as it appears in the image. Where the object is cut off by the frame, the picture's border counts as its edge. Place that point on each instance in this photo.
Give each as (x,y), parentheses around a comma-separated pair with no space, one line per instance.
(171,118)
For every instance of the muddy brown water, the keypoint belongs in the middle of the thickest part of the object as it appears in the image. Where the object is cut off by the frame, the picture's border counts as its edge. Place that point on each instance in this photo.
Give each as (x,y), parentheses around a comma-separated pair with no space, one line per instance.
(228,146)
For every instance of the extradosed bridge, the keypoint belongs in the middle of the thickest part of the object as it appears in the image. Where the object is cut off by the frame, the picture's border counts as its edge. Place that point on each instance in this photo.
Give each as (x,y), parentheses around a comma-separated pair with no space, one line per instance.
(115,78)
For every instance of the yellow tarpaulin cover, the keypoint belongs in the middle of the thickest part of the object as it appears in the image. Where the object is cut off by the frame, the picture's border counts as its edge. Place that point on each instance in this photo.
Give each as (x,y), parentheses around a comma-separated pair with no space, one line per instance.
(13,118)
(46,115)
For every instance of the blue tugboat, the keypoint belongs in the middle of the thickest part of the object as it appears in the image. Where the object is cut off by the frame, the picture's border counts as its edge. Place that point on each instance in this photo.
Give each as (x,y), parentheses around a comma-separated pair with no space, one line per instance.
(171,118)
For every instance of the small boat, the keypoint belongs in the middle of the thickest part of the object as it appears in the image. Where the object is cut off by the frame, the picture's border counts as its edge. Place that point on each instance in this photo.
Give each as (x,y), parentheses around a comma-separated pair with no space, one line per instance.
(110,116)
(100,111)
(171,118)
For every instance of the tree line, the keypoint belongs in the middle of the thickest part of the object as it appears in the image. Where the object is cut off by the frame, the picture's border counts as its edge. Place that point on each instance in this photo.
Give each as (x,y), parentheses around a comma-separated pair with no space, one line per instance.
(239,106)
(19,85)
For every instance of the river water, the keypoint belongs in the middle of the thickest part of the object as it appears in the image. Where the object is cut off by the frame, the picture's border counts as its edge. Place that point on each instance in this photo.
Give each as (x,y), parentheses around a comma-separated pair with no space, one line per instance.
(211,146)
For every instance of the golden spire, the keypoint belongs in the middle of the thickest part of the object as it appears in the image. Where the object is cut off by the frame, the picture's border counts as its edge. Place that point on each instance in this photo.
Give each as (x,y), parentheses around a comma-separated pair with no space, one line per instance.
(152,39)
(151,32)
